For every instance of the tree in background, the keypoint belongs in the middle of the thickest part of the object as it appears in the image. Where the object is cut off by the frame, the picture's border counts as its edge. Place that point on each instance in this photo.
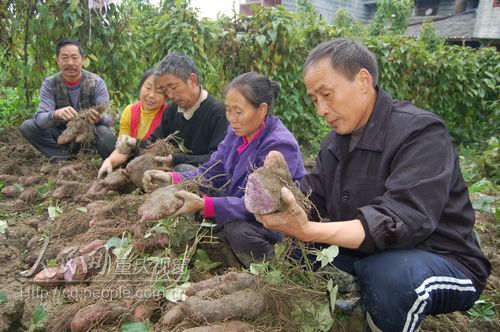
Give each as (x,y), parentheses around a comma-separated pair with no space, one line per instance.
(391,17)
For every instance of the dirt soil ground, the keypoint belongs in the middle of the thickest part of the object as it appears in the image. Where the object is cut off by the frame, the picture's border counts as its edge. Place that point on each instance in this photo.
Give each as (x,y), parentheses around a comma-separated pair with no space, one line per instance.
(47,210)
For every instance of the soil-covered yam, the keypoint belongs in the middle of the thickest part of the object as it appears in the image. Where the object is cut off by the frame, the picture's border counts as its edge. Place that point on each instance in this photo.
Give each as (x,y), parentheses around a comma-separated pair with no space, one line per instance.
(173,316)
(76,269)
(94,245)
(70,172)
(94,315)
(9,178)
(67,189)
(233,282)
(96,191)
(139,165)
(12,191)
(30,180)
(144,310)
(81,128)
(247,304)
(117,181)
(30,195)
(160,203)
(60,320)
(263,189)
(233,326)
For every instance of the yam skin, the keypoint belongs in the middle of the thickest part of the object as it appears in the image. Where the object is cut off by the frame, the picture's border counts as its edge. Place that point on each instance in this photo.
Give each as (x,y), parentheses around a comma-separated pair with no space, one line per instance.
(144,310)
(263,188)
(67,189)
(94,315)
(117,181)
(173,316)
(247,304)
(219,285)
(160,203)
(94,245)
(49,277)
(12,191)
(137,167)
(233,326)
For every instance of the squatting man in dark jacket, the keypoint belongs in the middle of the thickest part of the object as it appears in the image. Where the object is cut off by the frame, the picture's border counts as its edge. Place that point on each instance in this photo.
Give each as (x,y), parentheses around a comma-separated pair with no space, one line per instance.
(62,96)
(388,187)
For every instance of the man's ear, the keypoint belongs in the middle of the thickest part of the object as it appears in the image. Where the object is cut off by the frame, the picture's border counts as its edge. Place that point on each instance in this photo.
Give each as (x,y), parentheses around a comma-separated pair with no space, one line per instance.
(193,78)
(365,79)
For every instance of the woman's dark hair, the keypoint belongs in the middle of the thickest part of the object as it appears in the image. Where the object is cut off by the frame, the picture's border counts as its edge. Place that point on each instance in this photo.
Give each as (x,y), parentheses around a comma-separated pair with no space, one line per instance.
(256,88)
(145,76)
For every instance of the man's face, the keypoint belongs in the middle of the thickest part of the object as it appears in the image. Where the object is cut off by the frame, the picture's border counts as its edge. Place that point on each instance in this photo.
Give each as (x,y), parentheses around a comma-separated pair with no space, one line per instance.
(341,102)
(183,94)
(70,62)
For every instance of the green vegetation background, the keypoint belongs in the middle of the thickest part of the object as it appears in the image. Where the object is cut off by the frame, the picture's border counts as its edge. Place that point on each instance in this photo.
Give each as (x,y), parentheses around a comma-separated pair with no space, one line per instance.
(460,84)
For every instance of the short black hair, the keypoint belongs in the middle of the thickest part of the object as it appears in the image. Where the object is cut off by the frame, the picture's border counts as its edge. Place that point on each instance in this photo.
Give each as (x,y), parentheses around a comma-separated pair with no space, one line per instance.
(346,56)
(178,64)
(145,76)
(256,88)
(65,42)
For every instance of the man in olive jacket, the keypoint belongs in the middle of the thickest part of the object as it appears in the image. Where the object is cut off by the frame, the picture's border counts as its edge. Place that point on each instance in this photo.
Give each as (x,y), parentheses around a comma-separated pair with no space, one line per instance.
(388,188)
(62,96)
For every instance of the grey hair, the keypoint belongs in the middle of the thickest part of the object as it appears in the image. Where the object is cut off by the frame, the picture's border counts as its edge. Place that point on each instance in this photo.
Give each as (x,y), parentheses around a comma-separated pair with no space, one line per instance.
(179,65)
(346,56)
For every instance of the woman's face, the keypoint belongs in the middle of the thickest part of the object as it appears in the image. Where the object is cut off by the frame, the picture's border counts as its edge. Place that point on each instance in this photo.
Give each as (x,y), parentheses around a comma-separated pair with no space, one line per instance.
(151,96)
(244,118)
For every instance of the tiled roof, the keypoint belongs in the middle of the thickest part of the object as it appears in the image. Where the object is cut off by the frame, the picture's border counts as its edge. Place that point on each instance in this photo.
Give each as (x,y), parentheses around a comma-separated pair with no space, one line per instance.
(459,26)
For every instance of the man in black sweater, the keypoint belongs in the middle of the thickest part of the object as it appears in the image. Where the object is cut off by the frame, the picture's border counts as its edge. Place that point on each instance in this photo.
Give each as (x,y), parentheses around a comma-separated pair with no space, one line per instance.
(198,118)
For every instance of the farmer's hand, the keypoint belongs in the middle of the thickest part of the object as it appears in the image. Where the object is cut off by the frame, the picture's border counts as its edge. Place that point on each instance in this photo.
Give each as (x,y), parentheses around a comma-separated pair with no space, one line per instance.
(163,162)
(65,114)
(94,116)
(105,169)
(154,179)
(293,221)
(126,144)
(191,203)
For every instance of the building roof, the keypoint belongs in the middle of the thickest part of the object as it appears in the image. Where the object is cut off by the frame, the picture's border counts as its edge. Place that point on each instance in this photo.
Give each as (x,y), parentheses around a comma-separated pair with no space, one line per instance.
(459,26)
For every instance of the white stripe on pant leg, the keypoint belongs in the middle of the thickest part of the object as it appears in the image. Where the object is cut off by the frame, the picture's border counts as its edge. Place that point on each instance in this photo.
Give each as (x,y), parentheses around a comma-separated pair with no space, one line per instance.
(463,285)
(371,324)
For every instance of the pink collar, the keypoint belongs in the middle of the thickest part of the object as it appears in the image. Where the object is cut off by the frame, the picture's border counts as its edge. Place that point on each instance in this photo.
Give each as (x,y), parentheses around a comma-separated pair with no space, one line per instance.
(246,142)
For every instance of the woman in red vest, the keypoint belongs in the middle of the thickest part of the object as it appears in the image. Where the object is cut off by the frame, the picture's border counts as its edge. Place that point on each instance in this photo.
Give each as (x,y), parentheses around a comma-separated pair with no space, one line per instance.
(138,120)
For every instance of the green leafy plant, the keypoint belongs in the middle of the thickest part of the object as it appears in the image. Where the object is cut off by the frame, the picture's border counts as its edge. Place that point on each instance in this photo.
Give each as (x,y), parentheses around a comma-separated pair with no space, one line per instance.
(483,309)
(38,319)
(313,316)
(135,327)
(3,297)
(203,263)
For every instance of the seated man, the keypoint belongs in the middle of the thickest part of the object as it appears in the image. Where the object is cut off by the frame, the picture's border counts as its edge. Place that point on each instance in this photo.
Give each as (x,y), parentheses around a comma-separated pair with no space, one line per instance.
(387,182)
(196,117)
(61,97)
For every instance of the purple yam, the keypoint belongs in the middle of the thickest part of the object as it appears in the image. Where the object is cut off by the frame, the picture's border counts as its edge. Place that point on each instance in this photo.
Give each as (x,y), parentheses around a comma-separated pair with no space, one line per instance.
(258,199)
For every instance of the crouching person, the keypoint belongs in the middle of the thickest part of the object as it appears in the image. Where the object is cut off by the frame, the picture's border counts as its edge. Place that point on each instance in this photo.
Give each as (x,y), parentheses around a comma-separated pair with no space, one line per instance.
(388,179)
(253,132)
(62,96)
